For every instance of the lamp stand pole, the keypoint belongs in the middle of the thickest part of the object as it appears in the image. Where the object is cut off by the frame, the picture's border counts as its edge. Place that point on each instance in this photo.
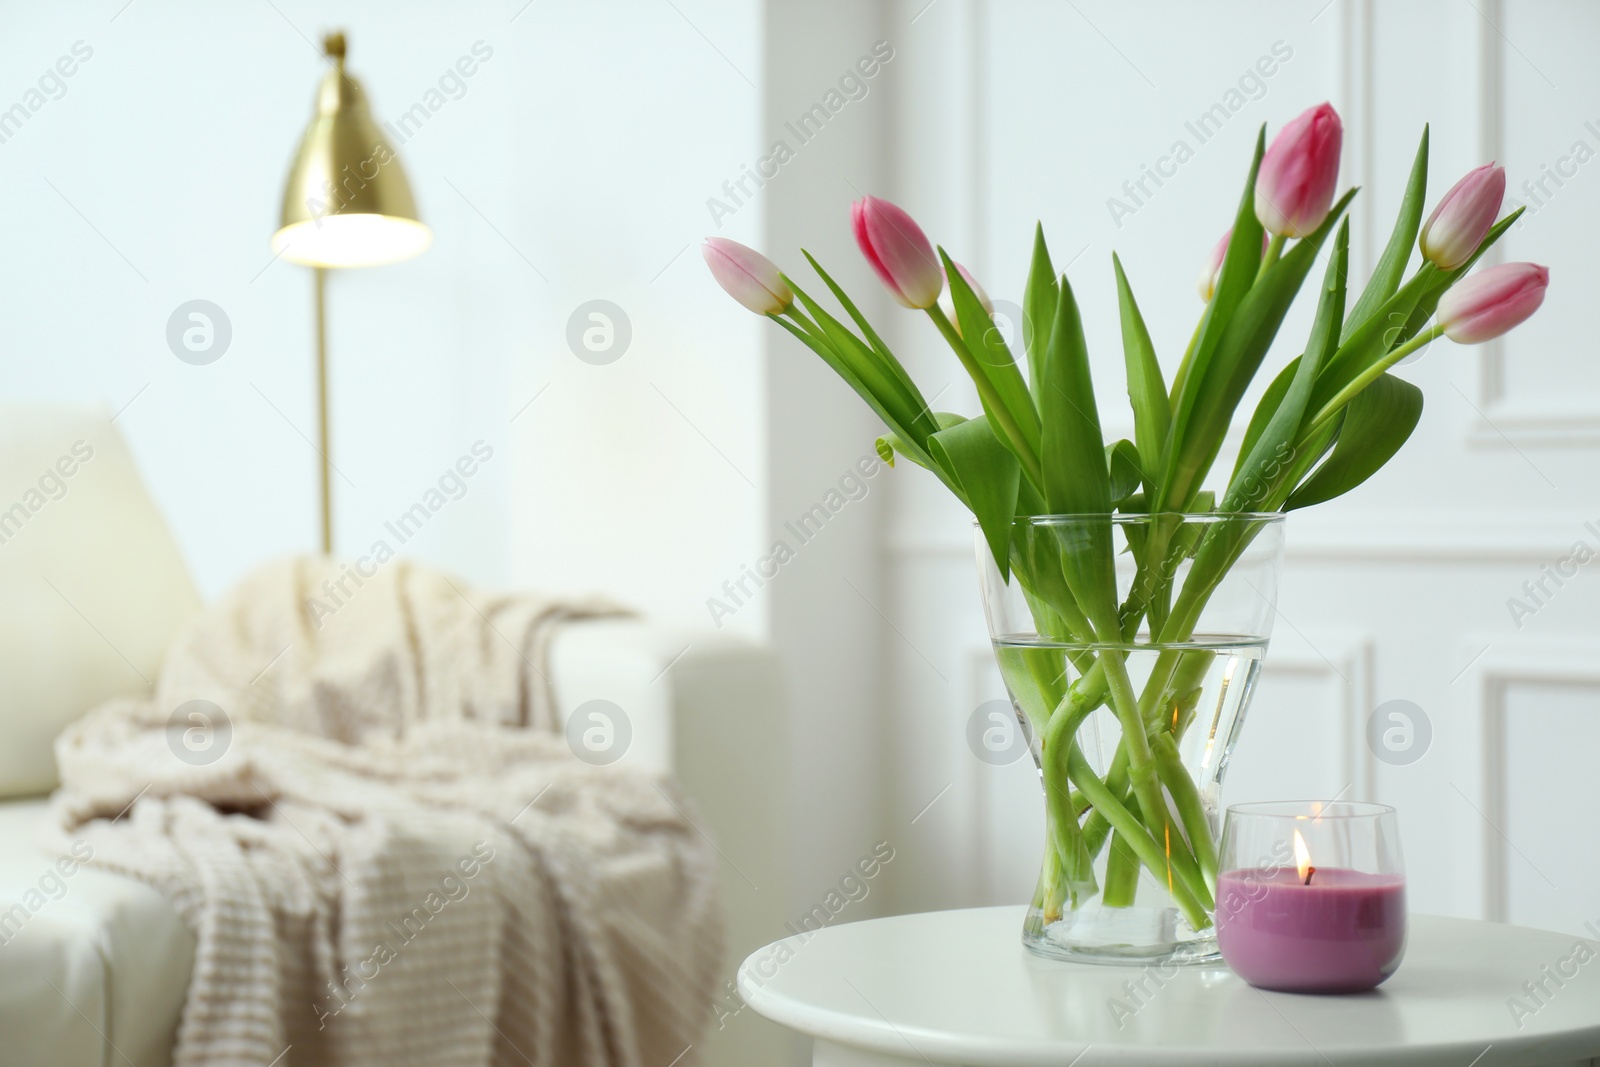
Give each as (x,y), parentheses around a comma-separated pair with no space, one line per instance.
(374,221)
(321,285)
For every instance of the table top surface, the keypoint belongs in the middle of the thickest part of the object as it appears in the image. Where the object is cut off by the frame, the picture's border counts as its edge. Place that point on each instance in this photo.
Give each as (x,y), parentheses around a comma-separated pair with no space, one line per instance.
(957,986)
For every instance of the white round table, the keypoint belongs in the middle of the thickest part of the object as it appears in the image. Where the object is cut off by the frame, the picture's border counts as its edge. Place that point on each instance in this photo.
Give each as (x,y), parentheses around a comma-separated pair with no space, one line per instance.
(957,987)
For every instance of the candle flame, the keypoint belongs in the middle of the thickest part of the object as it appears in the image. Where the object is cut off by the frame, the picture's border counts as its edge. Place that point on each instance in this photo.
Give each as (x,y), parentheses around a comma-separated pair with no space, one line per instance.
(1302,857)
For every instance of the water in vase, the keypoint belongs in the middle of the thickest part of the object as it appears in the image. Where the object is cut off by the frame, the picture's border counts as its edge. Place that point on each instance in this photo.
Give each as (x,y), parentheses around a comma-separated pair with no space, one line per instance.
(1118,902)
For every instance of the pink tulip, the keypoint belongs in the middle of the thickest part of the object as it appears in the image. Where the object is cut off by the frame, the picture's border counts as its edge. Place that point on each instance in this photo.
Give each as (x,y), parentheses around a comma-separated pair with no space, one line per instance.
(947,302)
(1487,304)
(1213,266)
(747,275)
(1294,187)
(898,250)
(1454,230)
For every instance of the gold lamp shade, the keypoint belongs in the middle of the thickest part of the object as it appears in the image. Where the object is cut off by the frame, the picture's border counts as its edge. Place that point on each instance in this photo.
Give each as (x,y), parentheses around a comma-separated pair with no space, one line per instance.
(347,202)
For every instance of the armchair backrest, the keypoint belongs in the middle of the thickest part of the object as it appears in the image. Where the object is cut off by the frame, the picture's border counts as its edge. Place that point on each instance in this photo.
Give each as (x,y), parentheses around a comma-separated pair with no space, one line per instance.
(92,585)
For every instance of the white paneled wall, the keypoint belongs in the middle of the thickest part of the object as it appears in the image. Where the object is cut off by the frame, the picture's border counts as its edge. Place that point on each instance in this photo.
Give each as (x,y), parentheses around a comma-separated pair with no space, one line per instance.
(1399,591)
(1545,723)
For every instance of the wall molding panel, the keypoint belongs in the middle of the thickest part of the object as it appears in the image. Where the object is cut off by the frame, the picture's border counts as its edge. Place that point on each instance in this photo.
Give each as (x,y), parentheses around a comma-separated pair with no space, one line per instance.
(1505,419)
(1342,660)
(1485,685)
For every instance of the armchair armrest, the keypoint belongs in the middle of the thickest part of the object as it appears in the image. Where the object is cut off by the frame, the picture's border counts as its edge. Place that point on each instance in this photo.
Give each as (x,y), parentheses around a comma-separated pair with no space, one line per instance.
(707,707)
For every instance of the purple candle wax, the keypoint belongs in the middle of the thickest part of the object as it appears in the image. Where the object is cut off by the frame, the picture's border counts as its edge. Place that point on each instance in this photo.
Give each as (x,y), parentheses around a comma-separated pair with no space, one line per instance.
(1342,933)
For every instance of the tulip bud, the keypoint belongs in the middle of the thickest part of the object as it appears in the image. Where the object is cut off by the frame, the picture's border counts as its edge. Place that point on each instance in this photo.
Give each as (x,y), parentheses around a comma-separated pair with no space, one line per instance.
(1456,227)
(898,250)
(947,300)
(1487,304)
(747,275)
(1213,266)
(1294,187)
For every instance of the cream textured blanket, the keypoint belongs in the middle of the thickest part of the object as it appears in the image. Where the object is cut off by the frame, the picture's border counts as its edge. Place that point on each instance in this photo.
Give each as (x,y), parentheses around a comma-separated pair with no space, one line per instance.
(357,795)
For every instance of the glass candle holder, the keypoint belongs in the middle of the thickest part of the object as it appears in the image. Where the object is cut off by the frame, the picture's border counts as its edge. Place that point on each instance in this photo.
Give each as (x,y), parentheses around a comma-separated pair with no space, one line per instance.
(1311,895)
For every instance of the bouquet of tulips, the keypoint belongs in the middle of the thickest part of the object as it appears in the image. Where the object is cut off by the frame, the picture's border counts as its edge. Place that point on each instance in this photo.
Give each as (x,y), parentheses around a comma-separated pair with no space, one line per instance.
(1327,422)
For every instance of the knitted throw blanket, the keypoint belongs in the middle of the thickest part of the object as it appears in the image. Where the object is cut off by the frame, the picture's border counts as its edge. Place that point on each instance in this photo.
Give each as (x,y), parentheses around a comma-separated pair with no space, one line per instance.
(358,797)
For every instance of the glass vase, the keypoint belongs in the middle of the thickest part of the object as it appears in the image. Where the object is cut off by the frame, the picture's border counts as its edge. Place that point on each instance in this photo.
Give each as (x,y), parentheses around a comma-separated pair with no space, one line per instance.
(1132,719)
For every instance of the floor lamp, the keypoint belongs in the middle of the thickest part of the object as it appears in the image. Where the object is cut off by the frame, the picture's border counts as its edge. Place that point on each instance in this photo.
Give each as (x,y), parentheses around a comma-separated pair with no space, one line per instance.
(346,204)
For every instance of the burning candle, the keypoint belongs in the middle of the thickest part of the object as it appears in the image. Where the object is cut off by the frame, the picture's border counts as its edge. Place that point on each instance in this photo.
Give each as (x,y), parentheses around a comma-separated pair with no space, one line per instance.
(1332,922)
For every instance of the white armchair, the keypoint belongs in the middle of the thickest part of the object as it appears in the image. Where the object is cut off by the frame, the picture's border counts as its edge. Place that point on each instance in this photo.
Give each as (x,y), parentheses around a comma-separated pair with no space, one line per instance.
(94,967)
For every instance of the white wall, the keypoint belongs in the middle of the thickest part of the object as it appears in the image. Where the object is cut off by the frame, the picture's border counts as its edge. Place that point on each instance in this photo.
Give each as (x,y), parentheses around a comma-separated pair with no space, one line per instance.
(644,477)
(155,180)
(666,477)
(827,607)
(1019,111)
(578,163)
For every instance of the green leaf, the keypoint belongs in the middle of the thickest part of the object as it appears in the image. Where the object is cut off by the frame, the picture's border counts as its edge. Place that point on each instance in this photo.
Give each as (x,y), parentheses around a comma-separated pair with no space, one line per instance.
(993,357)
(892,443)
(908,414)
(1377,422)
(1126,471)
(1076,480)
(1240,265)
(846,369)
(1039,570)
(1238,355)
(1220,546)
(1391,266)
(1309,452)
(1187,540)
(1147,393)
(1039,308)
(887,363)
(989,474)
(1267,407)
(1400,318)
(1254,486)
(1369,342)
(1029,502)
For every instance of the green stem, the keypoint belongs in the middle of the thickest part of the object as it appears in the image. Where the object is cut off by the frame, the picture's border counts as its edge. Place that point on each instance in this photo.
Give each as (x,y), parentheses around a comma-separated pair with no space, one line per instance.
(1051,893)
(1096,828)
(1141,774)
(1366,378)
(1141,771)
(1167,683)
(1122,875)
(1122,866)
(992,403)
(1274,250)
(1144,776)
(1158,686)
(1186,893)
(1073,858)
(1073,865)
(1177,672)
(1191,810)
(1097,825)
(1148,578)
